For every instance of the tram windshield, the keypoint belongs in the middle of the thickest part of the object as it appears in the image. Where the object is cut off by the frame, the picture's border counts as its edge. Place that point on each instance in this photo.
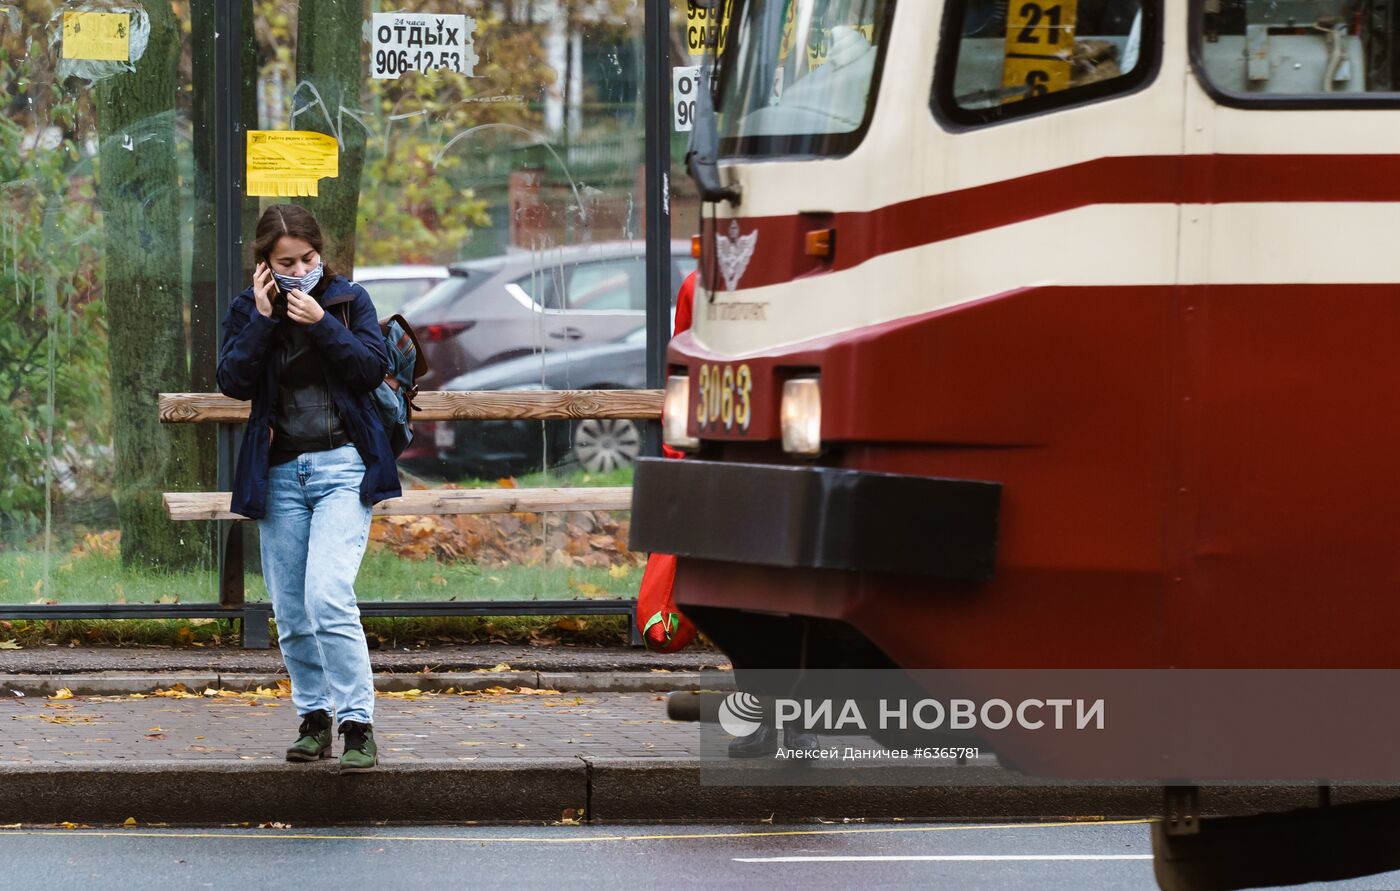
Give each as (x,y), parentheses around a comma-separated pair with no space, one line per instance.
(799,76)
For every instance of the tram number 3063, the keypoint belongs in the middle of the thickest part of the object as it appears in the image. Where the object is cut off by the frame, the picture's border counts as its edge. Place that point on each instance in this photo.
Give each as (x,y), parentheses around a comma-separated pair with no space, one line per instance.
(724,399)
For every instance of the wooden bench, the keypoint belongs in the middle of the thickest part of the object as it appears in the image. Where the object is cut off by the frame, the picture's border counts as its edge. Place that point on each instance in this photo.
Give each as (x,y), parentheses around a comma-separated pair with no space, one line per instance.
(543,405)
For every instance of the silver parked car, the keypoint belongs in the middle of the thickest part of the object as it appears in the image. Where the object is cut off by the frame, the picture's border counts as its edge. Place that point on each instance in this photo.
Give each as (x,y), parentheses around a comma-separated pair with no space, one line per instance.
(394,287)
(556,301)
(529,302)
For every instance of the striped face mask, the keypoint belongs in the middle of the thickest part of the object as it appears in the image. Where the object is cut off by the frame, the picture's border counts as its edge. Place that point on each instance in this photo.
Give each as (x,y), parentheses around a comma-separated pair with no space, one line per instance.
(305,283)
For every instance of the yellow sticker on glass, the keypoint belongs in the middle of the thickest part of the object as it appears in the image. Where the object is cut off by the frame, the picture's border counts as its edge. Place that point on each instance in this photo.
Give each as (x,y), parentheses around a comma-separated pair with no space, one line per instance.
(1026,77)
(1041,28)
(101,36)
(1039,43)
(289,163)
(704,27)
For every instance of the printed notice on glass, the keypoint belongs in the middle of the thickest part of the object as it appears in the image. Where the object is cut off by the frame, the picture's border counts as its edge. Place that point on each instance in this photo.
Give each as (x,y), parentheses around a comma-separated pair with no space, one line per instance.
(290,163)
(102,36)
(705,28)
(421,42)
(686,82)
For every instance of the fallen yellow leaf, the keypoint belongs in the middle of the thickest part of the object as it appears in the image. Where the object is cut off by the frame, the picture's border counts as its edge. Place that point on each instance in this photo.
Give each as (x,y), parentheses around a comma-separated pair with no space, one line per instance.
(9,645)
(129,822)
(415,693)
(63,693)
(176,691)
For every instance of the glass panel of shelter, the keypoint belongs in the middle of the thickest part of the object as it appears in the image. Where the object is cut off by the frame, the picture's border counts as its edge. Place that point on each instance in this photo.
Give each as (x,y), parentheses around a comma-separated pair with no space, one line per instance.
(106,299)
(507,136)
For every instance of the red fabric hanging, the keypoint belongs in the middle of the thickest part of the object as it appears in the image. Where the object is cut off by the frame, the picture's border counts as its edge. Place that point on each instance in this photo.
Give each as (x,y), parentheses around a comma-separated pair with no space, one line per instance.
(662,626)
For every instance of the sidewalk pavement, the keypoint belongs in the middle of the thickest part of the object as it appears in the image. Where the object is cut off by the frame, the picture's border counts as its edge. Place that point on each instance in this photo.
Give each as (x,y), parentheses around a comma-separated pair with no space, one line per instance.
(55,659)
(112,670)
(549,743)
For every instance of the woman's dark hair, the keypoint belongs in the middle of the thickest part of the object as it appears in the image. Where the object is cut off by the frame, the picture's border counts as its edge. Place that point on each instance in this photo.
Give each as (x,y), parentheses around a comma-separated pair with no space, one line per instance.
(288,219)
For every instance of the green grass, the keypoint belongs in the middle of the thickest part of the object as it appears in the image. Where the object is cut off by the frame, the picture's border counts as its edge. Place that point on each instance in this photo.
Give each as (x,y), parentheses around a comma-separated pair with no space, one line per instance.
(410,631)
(97,578)
(383,576)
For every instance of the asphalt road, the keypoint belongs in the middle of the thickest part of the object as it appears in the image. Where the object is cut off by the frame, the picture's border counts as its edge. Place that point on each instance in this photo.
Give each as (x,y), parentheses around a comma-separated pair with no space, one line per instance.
(1080,856)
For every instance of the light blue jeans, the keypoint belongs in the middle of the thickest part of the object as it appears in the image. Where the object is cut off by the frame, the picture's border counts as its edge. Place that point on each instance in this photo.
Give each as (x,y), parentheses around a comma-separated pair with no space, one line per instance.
(313,538)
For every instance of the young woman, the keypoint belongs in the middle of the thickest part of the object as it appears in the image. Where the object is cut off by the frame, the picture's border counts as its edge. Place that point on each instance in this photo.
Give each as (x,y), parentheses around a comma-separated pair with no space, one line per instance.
(304,345)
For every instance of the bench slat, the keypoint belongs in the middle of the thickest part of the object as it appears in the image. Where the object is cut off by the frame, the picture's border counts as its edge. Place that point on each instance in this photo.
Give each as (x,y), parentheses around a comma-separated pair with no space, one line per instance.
(438,502)
(443,405)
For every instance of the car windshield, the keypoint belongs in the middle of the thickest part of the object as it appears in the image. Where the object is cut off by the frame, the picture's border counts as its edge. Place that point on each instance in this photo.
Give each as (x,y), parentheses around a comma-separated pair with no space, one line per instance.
(392,294)
(799,75)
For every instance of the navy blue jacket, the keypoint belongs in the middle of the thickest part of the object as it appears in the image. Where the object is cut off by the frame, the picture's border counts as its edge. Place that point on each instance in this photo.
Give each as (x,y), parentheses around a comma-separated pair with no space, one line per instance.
(356,362)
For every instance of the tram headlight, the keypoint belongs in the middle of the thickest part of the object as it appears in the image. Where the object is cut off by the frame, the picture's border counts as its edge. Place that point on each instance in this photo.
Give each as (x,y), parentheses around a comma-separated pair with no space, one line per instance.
(802,416)
(675,414)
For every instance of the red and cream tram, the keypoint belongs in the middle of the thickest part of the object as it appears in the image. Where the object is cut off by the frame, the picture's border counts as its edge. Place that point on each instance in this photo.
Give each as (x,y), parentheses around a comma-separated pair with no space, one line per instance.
(1043,335)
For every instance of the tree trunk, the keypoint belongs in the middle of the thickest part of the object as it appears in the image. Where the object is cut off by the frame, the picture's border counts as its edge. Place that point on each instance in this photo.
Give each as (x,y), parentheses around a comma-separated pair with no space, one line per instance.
(330,40)
(138,191)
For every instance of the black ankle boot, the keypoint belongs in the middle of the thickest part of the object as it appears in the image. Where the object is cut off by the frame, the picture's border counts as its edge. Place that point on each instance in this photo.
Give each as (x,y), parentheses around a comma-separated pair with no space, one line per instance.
(762,743)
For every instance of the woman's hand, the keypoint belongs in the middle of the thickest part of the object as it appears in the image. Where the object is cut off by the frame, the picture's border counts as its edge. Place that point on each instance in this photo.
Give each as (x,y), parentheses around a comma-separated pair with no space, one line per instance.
(263,289)
(302,308)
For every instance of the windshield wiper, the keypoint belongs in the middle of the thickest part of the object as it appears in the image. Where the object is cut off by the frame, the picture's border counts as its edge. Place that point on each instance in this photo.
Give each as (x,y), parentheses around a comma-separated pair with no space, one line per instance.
(702,158)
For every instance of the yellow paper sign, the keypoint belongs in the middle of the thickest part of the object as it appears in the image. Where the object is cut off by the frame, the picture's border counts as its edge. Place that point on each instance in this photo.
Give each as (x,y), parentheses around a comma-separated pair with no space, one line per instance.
(1030,77)
(104,36)
(288,163)
(1039,43)
(705,27)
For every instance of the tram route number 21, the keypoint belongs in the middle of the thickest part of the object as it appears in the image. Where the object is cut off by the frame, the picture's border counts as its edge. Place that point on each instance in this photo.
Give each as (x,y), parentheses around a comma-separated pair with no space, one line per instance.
(724,402)
(1039,42)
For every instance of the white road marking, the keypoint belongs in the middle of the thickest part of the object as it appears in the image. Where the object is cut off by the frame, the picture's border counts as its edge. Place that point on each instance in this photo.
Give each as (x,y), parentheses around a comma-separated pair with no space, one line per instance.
(946,858)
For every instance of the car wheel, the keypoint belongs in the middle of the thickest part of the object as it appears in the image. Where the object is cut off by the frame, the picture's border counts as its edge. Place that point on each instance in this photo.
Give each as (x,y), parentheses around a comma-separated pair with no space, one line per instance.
(600,445)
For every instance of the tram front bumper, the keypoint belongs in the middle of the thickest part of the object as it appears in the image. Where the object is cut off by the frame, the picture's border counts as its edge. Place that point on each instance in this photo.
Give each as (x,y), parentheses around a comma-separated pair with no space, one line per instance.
(816,518)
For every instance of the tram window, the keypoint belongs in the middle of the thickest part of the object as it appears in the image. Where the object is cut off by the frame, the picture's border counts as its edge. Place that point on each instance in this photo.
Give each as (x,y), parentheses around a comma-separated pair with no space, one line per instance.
(1334,49)
(800,76)
(1014,57)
